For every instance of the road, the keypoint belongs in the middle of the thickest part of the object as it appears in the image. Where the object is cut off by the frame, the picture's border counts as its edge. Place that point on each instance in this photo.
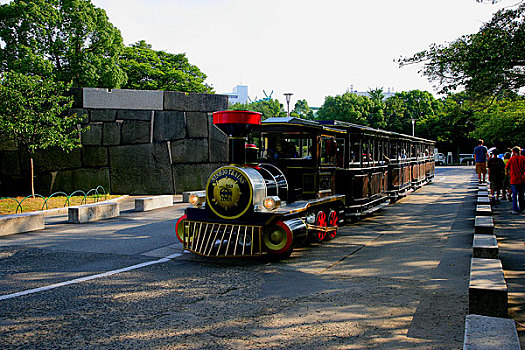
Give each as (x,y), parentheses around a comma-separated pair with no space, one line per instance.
(397,279)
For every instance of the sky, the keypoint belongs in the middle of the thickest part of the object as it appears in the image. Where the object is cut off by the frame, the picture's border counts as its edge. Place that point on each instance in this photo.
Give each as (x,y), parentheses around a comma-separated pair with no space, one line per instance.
(311,48)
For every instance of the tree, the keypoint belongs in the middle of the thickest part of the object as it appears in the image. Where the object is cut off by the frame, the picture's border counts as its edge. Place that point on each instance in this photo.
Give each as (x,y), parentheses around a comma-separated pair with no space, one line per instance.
(32,114)
(302,110)
(148,69)
(485,63)
(419,105)
(268,108)
(346,107)
(502,124)
(376,114)
(66,40)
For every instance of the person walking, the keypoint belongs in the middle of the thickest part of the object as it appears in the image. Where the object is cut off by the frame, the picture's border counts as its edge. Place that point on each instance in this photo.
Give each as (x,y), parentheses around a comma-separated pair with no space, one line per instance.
(507,193)
(516,168)
(480,156)
(496,168)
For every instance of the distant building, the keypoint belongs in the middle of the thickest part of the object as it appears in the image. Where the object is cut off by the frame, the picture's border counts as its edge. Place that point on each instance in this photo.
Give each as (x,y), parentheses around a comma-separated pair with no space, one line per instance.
(389,93)
(239,95)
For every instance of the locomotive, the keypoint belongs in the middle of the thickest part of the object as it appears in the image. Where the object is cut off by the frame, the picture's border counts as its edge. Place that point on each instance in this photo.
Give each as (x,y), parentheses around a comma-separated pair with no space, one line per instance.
(290,181)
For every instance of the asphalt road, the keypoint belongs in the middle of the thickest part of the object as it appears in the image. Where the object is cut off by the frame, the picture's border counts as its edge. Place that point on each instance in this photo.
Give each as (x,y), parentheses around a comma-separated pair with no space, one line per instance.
(398,279)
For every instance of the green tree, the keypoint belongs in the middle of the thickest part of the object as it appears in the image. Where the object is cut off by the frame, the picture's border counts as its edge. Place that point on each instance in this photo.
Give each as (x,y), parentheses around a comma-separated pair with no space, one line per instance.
(502,124)
(268,108)
(33,114)
(148,69)
(485,63)
(376,112)
(66,40)
(302,110)
(419,105)
(346,107)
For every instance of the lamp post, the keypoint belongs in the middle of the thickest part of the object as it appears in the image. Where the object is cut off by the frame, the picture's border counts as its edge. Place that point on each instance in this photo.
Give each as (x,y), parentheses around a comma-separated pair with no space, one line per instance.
(288,96)
(413,126)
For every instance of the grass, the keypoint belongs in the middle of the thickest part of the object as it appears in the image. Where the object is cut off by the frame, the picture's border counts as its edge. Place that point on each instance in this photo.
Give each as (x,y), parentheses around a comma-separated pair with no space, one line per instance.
(9,205)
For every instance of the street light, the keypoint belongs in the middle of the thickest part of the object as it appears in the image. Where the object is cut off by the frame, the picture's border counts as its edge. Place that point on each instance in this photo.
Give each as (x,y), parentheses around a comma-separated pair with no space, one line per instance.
(288,96)
(413,126)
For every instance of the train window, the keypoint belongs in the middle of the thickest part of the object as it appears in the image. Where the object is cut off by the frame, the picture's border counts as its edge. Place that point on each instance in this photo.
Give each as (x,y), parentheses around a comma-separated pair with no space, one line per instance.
(328,150)
(355,152)
(286,146)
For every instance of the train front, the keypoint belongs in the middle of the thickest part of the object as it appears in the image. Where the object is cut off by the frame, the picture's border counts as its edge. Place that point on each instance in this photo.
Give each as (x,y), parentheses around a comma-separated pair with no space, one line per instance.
(237,215)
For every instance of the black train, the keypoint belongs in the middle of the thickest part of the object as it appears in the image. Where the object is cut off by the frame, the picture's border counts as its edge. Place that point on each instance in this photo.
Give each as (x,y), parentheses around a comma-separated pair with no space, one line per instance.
(292,180)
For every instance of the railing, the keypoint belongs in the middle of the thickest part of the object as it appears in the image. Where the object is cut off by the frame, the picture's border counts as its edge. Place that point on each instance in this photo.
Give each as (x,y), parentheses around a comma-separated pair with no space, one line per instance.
(79,193)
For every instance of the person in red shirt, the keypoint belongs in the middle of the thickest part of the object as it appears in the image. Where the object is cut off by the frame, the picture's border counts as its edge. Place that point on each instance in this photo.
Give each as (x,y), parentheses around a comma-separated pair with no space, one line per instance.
(516,168)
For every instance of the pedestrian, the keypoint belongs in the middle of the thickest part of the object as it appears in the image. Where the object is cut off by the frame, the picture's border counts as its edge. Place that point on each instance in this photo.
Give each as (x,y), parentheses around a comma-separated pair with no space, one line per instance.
(480,156)
(496,168)
(507,192)
(516,167)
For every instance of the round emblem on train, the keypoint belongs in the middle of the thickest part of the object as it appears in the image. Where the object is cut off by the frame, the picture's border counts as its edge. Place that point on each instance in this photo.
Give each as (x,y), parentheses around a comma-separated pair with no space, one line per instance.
(229,192)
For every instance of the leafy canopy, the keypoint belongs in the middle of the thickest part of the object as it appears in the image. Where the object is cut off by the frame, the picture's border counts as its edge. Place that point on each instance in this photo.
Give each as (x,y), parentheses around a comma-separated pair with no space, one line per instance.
(33,113)
(268,108)
(67,40)
(485,63)
(148,69)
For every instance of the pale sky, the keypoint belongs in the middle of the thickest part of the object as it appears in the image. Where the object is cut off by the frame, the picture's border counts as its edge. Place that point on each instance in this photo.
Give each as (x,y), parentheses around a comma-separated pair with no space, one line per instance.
(310,48)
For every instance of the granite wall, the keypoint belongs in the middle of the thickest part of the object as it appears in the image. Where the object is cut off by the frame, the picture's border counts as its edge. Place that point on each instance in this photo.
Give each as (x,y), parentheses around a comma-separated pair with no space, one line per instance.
(138,142)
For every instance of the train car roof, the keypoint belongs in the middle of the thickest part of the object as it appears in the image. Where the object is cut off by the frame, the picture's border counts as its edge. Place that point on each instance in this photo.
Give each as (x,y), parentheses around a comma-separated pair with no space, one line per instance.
(292,123)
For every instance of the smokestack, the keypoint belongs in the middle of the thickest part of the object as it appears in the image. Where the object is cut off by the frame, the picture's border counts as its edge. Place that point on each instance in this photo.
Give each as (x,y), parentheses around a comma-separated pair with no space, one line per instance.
(236,125)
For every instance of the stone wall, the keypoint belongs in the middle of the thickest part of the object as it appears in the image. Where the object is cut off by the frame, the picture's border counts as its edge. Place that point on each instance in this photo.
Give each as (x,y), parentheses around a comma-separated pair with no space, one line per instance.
(138,142)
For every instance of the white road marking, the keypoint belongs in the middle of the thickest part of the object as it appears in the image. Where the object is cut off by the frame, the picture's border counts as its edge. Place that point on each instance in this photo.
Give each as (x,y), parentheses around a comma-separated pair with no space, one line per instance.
(443,178)
(89,278)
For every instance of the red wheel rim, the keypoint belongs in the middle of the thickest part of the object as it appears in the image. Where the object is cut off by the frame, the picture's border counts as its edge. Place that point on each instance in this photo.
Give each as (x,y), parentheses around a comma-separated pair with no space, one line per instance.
(333,221)
(322,222)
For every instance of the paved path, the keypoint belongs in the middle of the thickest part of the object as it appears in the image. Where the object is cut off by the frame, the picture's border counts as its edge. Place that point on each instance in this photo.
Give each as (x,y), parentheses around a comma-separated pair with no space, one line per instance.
(510,231)
(395,280)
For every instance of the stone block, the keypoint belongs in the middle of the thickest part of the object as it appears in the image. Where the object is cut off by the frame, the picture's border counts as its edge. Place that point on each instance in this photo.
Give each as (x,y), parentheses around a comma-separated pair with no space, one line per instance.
(81,179)
(93,156)
(54,158)
(93,212)
(7,144)
(483,200)
(490,333)
(9,163)
(186,195)
(488,294)
(80,112)
(483,210)
(111,134)
(134,132)
(122,99)
(484,225)
(169,125)
(103,115)
(93,135)
(192,102)
(18,223)
(189,151)
(485,246)
(151,203)
(218,151)
(191,177)
(141,169)
(77,94)
(483,193)
(197,124)
(135,115)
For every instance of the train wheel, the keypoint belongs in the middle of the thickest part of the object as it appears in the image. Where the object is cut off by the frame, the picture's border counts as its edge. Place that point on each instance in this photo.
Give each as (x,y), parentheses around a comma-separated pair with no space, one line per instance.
(321,220)
(333,221)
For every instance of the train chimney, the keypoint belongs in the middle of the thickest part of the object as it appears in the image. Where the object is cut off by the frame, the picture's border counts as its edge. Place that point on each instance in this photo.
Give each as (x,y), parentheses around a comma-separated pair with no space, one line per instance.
(236,125)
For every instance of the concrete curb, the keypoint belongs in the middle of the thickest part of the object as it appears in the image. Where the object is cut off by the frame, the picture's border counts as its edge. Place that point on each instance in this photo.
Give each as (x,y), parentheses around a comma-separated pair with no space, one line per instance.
(155,202)
(19,223)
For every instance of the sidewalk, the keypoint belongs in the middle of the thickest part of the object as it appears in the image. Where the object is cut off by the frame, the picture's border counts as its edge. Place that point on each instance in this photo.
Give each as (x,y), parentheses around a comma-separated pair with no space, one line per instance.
(510,231)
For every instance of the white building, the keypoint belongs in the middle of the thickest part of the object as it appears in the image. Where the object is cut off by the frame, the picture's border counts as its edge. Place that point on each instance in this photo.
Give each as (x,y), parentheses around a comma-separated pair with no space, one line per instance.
(239,94)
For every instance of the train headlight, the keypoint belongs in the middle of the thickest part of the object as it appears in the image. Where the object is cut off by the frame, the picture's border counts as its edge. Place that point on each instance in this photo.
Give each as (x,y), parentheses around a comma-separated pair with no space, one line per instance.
(196,199)
(272,203)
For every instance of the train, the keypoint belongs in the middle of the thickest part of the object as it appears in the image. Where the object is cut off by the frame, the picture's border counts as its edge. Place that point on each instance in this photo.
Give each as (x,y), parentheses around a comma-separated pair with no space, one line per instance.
(291,181)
